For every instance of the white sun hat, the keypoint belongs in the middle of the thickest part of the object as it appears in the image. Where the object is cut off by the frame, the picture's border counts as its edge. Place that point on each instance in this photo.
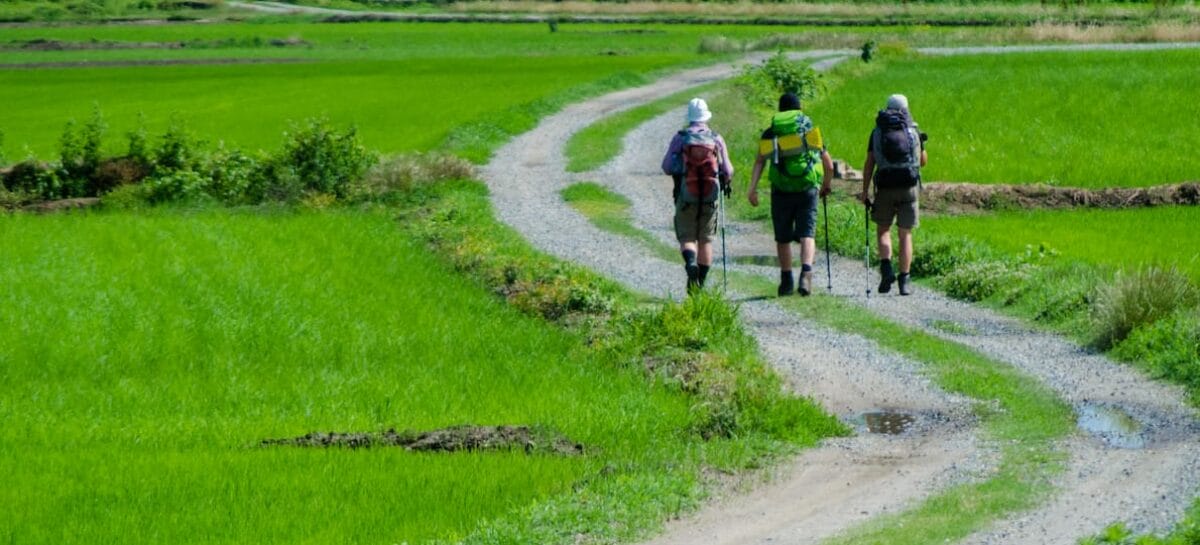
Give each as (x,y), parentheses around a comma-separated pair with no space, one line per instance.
(698,111)
(897,102)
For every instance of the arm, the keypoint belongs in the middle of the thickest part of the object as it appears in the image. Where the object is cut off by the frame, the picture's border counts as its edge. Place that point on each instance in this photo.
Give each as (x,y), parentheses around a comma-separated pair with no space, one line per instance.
(867,172)
(673,149)
(726,164)
(826,183)
(924,157)
(752,193)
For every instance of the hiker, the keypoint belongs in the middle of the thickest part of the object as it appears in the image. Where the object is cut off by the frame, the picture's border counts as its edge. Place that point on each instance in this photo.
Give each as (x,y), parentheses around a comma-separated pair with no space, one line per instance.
(801,170)
(895,155)
(698,162)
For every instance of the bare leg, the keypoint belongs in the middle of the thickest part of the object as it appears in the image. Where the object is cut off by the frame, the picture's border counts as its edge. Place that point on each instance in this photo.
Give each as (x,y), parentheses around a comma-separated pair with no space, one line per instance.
(906,249)
(808,250)
(884,234)
(685,246)
(704,255)
(785,256)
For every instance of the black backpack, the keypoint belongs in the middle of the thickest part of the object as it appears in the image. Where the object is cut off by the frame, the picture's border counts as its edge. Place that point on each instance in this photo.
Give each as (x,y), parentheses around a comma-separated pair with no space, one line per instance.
(896,145)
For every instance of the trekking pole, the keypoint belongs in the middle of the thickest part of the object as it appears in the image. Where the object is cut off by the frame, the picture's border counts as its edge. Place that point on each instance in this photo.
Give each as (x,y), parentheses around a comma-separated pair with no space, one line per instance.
(828,267)
(867,245)
(724,257)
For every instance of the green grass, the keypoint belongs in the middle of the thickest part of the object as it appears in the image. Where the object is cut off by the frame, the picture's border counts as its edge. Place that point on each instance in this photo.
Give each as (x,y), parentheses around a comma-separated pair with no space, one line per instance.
(1096,119)
(397,105)
(601,141)
(144,356)
(1109,239)
(610,212)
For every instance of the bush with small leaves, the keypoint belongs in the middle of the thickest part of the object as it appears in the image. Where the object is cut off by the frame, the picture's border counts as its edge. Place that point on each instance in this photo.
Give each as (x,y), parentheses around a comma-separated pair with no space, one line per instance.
(324,159)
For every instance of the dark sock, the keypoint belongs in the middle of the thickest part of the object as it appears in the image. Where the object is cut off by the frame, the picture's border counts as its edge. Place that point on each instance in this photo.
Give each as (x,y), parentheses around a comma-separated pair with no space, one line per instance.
(689,257)
(885,266)
(805,268)
(903,275)
(704,274)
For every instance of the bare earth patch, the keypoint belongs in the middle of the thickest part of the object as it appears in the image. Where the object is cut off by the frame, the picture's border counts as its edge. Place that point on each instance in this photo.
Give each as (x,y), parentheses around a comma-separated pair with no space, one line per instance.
(966,198)
(452,439)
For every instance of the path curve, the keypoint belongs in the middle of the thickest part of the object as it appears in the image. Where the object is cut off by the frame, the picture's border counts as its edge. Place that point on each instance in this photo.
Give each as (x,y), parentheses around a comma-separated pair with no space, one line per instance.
(846,481)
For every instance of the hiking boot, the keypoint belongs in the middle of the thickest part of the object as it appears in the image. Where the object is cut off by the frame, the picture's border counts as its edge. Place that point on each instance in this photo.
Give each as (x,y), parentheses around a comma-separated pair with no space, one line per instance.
(905,285)
(693,277)
(785,283)
(886,276)
(805,283)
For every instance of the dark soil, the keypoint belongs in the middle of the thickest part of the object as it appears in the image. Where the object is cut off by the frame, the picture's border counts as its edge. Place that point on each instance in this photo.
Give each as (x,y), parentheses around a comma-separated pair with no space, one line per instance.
(967,198)
(42,44)
(453,439)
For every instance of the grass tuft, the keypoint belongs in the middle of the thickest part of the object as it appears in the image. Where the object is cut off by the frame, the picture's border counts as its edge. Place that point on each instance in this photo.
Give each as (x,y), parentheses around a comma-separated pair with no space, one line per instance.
(1137,299)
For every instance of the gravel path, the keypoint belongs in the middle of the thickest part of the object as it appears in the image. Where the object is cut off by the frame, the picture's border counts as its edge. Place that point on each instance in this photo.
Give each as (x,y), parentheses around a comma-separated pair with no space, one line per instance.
(846,481)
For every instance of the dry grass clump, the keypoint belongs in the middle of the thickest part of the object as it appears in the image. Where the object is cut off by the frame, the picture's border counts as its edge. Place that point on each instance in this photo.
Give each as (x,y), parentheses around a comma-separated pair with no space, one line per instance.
(1152,33)
(1139,298)
(407,171)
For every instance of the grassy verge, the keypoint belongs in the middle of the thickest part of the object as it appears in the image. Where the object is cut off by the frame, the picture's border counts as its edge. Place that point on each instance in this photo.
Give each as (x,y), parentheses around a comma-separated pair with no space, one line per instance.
(610,212)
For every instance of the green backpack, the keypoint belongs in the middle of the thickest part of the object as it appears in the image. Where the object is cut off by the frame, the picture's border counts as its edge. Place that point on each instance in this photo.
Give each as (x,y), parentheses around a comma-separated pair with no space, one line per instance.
(797,161)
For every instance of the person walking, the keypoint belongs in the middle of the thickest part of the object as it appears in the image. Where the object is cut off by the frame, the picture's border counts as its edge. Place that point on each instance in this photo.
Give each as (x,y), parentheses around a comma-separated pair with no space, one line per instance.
(895,155)
(801,170)
(698,161)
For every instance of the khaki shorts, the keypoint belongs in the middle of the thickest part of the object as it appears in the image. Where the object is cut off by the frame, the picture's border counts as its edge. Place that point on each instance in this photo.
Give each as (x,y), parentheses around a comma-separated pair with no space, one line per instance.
(900,205)
(690,228)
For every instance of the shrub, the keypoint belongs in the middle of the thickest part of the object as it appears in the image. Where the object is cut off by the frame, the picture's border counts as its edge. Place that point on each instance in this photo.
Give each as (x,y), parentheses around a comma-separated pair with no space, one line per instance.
(1168,348)
(235,177)
(79,155)
(324,160)
(1138,299)
(979,280)
(126,197)
(177,186)
(139,147)
(179,149)
(763,84)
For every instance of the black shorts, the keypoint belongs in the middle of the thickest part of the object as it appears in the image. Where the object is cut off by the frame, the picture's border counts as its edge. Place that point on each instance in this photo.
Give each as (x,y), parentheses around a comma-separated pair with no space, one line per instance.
(794,215)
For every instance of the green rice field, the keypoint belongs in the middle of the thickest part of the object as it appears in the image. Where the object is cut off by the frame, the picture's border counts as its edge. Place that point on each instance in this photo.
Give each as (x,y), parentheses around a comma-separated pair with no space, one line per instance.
(1086,119)
(143,357)
(1110,239)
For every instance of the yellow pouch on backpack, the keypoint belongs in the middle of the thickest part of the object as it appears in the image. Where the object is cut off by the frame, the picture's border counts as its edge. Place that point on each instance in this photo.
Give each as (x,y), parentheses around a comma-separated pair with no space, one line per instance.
(791,144)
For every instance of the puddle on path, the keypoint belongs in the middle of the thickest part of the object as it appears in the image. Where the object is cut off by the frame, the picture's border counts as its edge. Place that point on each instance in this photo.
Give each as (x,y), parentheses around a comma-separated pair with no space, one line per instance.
(887,422)
(1112,425)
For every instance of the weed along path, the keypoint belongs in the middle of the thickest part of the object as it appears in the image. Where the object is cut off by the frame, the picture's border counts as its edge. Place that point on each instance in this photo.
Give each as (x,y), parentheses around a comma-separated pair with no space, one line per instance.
(956,447)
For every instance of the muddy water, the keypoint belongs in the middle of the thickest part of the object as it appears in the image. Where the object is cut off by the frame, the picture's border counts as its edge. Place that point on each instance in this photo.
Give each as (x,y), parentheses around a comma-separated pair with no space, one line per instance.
(888,422)
(1112,425)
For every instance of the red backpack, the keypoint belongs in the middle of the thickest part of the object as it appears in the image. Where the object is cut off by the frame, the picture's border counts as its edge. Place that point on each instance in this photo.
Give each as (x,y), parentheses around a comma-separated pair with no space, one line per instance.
(701,165)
